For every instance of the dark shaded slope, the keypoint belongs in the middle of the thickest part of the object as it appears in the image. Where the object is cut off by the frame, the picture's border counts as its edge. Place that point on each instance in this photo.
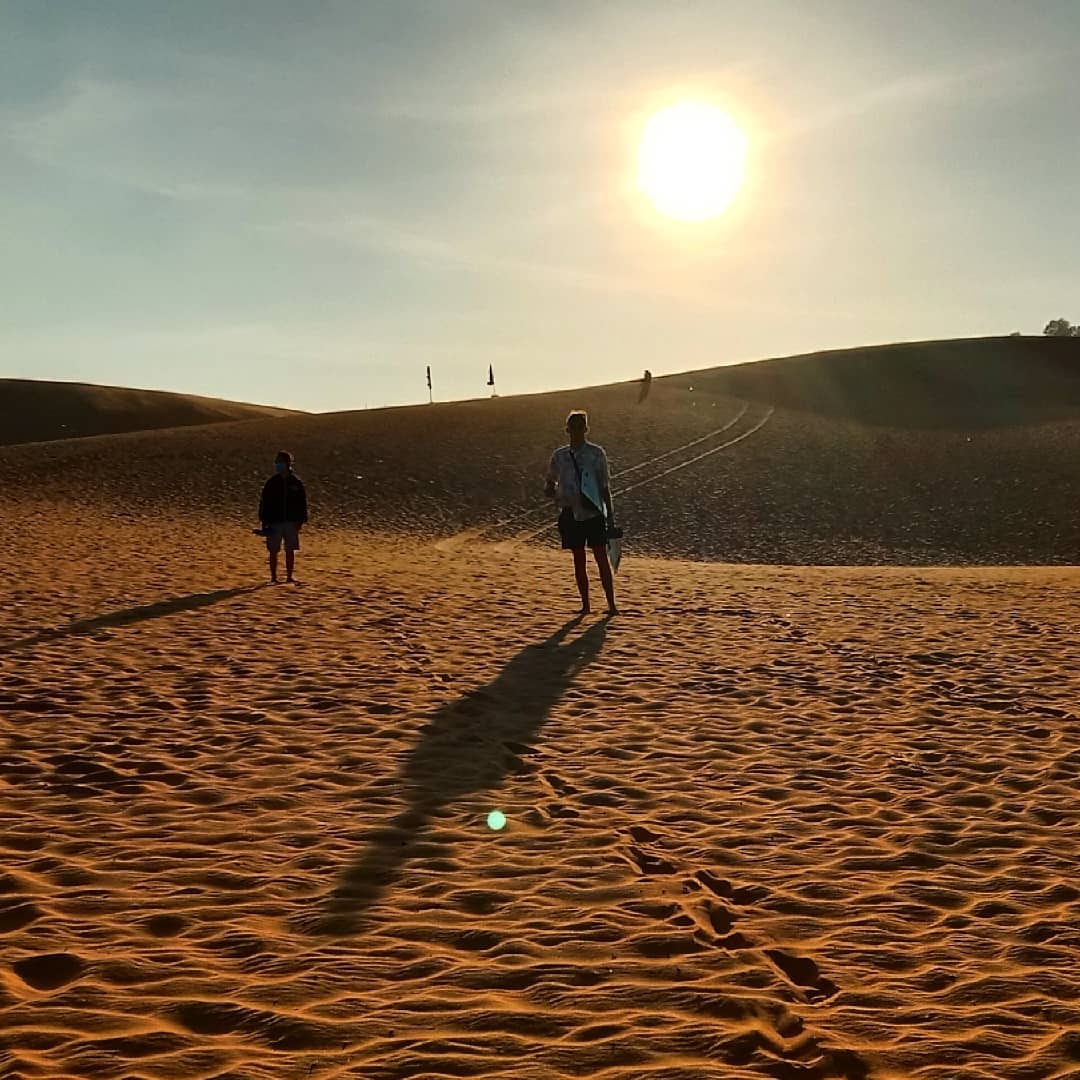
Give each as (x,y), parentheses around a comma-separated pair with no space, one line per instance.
(963,384)
(987,479)
(36,411)
(809,489)
(426,469)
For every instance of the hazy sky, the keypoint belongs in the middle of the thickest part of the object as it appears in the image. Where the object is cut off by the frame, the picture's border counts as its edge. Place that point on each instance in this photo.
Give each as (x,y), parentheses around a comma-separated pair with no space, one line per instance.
(306,203)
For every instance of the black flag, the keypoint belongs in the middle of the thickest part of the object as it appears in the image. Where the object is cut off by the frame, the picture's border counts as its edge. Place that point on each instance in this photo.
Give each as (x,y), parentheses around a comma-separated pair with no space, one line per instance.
(429,377)
(491,375)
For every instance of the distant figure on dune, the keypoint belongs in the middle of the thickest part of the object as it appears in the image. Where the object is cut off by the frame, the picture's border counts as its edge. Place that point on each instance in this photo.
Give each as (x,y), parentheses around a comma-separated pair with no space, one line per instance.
(283,512)
(577,479)
(646,386)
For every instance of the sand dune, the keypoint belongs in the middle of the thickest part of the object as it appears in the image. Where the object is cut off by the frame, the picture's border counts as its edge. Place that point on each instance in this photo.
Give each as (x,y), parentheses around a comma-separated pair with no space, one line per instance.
(37,410)
(788,822)
(775,470)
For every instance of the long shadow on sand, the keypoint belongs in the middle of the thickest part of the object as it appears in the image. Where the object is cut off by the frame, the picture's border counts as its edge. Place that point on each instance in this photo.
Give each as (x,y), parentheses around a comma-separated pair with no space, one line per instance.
(470,745)
(127,616)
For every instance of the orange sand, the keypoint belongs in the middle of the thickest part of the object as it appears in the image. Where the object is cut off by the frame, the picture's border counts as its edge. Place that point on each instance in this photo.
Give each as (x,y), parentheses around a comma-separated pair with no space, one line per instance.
(790,823)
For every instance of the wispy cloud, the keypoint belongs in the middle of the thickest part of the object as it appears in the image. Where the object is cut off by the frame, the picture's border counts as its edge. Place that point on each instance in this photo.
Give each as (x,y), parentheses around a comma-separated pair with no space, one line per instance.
(427,246)
(517,106)
(112,132)
(988,78)
(83,108)
(331,346)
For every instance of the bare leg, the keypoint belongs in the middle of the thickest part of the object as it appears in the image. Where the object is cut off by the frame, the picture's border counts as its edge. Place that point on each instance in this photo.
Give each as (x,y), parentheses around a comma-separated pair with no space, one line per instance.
(273,566)
(606,579)
(581,573)
(290,564)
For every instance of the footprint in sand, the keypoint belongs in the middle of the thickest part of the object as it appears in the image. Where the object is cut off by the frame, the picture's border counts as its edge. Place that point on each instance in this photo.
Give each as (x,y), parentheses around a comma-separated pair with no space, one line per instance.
(15,913)
(49,971)
(803,972)
(649,864)
(557,784)
(164,926)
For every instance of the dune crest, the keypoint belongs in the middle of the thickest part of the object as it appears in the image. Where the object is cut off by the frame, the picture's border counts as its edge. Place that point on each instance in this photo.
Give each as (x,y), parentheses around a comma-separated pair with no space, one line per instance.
(40,411)
(941,453)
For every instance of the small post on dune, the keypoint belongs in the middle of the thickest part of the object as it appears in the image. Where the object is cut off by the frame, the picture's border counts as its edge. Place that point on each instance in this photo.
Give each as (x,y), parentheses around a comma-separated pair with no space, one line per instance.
(430,398)
(491,378)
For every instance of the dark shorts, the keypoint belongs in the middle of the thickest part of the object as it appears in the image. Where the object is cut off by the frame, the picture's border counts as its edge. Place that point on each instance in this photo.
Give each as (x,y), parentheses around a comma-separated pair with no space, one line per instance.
(578,534)
(282,531)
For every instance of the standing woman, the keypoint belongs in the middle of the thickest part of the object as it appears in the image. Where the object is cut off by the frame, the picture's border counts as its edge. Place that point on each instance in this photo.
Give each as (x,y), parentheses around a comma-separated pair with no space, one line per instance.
(577,479)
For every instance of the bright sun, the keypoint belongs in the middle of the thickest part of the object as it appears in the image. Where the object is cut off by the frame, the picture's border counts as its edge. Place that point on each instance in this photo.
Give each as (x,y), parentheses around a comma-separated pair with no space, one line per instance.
(691,161)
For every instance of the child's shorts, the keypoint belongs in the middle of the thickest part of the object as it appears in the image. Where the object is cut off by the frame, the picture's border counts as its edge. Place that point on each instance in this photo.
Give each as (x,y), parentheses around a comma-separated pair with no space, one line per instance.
(282,531)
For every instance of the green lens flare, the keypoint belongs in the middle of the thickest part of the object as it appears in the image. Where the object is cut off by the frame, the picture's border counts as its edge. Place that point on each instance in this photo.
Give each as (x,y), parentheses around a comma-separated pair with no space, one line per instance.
(496,820)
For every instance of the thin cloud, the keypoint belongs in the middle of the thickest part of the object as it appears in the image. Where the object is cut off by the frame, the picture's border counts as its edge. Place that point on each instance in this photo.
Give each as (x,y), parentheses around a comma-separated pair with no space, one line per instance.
(490,109)
(917,88)
(334,346)
(95,128)
(390,238)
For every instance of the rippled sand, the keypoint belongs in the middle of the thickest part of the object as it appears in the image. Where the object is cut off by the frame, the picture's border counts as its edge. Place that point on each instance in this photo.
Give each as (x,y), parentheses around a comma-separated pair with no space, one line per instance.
(768,822)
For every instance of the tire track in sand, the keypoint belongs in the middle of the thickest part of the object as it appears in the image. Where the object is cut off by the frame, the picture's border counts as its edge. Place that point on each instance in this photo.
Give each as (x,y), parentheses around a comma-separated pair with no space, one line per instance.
(455,541)
(758,425)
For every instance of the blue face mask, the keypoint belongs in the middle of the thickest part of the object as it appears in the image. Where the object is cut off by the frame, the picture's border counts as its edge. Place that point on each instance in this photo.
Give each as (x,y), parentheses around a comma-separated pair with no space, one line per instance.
(279,466)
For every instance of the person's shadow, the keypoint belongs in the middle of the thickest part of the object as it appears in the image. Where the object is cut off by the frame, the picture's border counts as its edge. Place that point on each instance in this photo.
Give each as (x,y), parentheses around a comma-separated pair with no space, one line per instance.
(470,745)
(128,616)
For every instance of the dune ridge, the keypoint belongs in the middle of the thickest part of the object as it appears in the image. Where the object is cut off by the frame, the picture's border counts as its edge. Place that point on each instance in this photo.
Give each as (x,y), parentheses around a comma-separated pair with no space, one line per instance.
(978,477)
(40,411)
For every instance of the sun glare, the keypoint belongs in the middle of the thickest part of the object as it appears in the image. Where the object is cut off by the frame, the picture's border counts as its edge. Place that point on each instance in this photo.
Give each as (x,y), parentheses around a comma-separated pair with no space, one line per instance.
(691,161)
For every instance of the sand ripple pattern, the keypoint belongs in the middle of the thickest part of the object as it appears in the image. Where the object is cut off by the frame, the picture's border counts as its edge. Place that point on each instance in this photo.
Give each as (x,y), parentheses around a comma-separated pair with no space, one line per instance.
(769,823)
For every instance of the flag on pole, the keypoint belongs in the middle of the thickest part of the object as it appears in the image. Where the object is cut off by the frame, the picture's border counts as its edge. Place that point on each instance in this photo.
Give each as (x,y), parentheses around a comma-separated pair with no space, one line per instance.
(491,375)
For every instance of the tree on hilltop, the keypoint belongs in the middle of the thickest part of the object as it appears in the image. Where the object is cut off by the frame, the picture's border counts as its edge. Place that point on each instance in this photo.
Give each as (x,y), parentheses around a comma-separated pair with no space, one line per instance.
(1061,328)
